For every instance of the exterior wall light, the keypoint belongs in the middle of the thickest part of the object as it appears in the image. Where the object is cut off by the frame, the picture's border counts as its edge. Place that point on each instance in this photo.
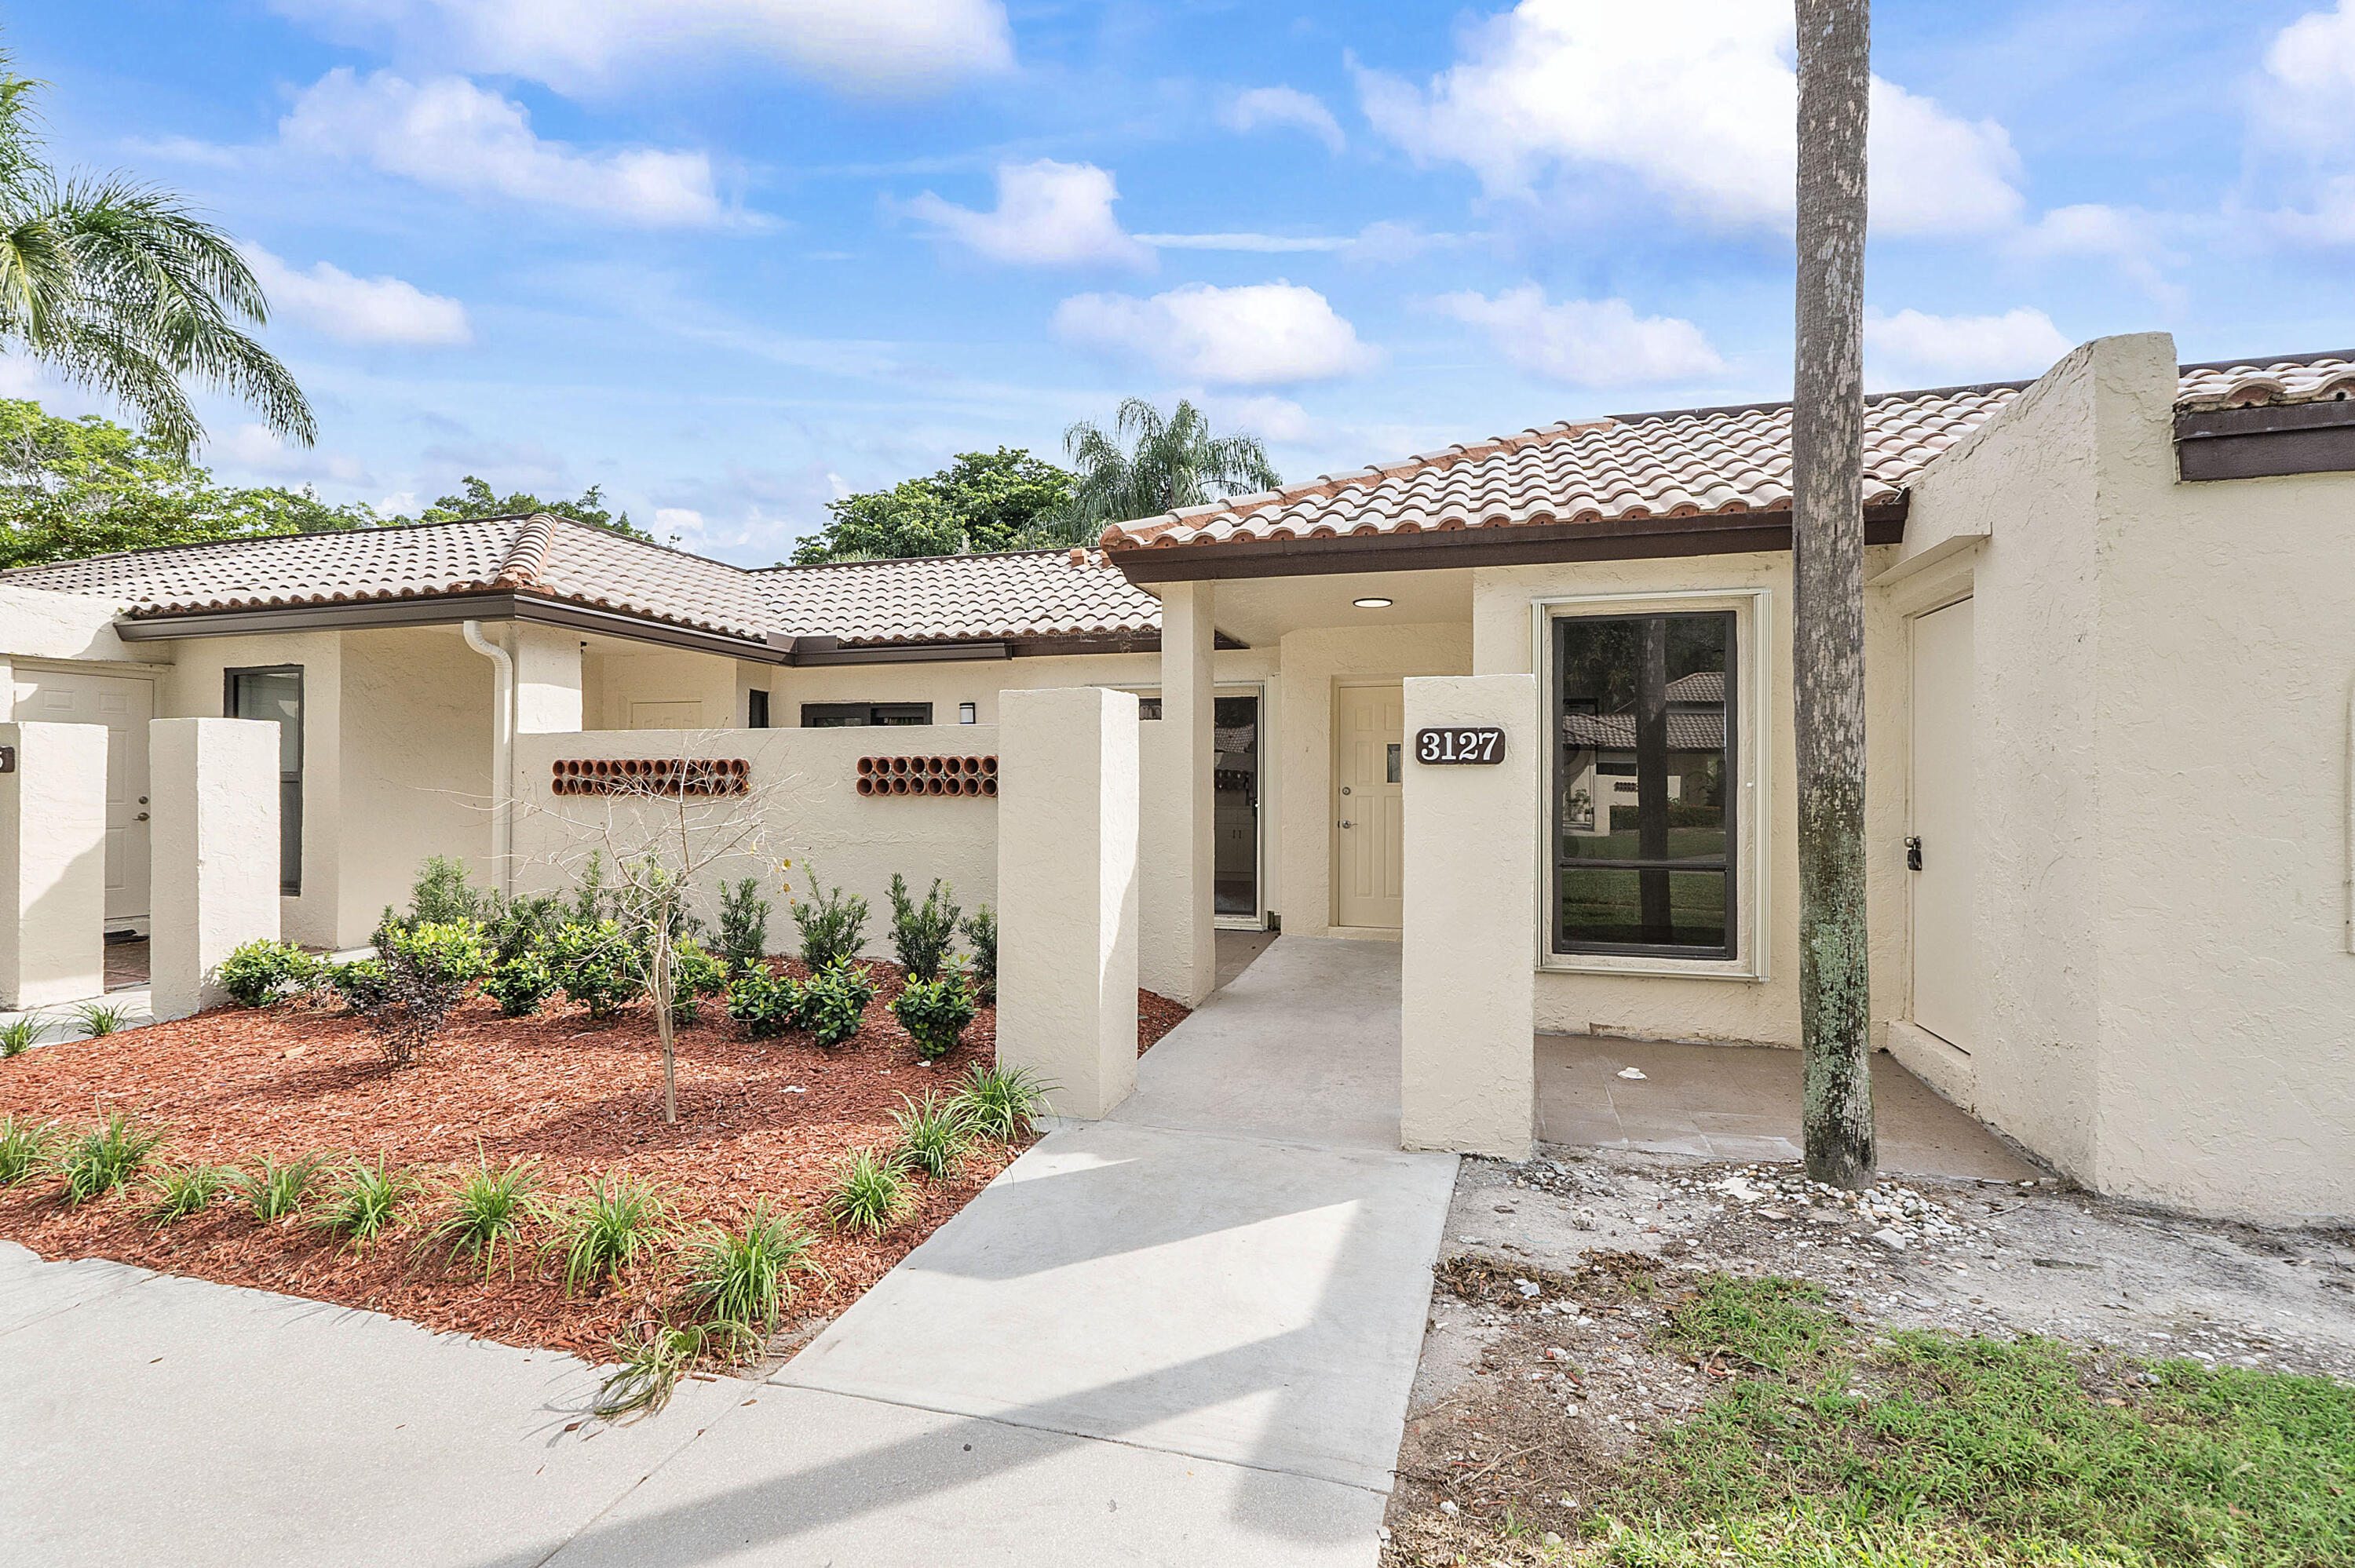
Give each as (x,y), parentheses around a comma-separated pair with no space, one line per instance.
(965,714)
(1371,603)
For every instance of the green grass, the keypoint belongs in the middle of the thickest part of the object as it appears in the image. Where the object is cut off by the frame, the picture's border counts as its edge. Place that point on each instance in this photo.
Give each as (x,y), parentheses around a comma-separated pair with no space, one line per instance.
(868,1195)
(1934,1448)
(26,1148)
(603,1232)
(100,1018)
(20,1035)
(743,1276)
(184,1190)
(275,1189)
(106,1158)
(487,1212)
(367,1201)
(933,1136)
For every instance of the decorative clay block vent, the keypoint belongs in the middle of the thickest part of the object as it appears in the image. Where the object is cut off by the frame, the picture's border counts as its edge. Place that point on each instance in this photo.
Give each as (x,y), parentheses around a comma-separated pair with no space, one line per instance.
(928,775)
(696,775)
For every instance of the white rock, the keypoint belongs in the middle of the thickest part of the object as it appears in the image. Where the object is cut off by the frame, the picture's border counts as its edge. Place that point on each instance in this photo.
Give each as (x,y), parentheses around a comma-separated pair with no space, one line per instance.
(1631,1073)
(1890,1239)
(1450,1509)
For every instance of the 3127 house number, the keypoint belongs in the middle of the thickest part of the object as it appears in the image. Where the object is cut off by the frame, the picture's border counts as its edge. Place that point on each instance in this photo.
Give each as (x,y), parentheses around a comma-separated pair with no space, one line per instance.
(1460,744)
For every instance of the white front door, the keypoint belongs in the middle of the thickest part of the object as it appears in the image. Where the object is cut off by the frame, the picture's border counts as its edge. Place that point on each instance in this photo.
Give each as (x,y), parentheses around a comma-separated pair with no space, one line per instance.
(124,703)
(1946,982)
(1368,805)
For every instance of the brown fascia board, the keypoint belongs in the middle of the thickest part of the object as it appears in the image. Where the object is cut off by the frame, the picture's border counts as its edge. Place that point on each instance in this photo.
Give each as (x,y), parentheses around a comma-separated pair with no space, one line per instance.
(439,610)
(2266,440)
(1512,545)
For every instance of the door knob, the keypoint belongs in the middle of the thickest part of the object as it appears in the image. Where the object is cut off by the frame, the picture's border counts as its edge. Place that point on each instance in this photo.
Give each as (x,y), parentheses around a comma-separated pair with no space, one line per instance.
(142,817)
(1913,855)
(1344,824)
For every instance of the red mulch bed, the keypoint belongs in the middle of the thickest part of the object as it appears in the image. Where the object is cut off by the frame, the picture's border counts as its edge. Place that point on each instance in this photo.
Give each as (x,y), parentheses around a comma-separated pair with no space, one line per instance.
(757,1120)
(1157,1015)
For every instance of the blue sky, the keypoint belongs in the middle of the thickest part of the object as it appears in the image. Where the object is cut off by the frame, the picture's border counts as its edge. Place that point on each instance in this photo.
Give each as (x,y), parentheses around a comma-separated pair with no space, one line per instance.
(731,258)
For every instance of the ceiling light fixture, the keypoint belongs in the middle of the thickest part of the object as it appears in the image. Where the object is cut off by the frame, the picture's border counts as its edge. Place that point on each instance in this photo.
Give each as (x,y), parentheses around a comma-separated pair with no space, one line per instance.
(1371,603)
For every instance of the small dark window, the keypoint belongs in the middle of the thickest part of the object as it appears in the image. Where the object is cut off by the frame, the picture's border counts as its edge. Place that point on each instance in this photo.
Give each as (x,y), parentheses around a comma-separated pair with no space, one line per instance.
(276,694)
(1644,797)
(1148,709)
(850,715)
(756,710)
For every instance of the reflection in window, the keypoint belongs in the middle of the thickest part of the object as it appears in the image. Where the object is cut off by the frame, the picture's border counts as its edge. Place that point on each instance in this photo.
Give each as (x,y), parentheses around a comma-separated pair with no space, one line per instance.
(276,694)
(853,715)
(1235,804)
(1644,814)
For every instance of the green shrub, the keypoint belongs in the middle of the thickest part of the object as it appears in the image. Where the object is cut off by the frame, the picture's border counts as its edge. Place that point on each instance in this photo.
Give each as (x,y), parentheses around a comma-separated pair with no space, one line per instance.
(998,1102)
(868,1195)
(933,1136)
(275,1189)
(765,1003)
(591,900)
(743,1276)
(367,1201)
(362,983)
(834,1002)
(934,1014)
(921,933)
(101,1018)
(744,925)
(257,973)
(520,984)
(20,1035)
(694,975)
(594,967)
(833,926)
(26,1148)
(487,1210)
(653,1359)
(428,969)
(443,895)
(184,1190)
(602,1234)
(980,930)
(520,925)
(100,1161)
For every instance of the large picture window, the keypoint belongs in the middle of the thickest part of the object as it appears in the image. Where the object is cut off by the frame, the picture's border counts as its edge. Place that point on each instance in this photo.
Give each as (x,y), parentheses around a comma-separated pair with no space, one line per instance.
(1644,786)
(276,694)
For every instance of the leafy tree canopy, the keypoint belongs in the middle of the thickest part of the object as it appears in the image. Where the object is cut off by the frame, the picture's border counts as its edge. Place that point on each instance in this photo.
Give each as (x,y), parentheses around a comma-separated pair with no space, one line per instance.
(981,502)
(1169,460)
(476,499)
(71,488)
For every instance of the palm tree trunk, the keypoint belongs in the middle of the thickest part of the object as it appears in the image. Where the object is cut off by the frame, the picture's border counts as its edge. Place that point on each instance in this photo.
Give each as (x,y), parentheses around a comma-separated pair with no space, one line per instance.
(1828,573)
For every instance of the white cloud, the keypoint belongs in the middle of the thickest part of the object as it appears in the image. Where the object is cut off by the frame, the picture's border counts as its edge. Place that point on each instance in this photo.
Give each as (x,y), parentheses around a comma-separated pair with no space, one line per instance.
(253,448)
(683,523)
(1378,242)
(1271,418)
(1257,335)
(1048,215)
(1264,106)
(400,503)
(333,303)
(1696,99)
(448,132)
(1586,343)
(1912,348)
(2301,132)
(2131,240)
(590,45)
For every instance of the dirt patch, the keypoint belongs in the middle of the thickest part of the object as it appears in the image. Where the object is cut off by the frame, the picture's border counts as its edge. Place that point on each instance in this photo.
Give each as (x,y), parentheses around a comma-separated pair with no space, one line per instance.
(1545,1375)
(758,1120)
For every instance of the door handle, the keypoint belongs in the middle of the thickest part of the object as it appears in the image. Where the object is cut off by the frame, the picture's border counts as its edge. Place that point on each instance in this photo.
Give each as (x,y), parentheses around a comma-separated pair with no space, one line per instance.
(1913,855)
(1345,823)
(140,818)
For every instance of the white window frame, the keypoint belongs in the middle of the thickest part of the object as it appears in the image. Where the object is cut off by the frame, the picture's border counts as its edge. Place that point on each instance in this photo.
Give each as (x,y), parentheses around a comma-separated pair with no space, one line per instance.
(1752,611)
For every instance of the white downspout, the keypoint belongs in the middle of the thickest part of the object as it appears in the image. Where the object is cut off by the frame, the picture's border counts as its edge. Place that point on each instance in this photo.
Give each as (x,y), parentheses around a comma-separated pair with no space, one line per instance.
(502,752)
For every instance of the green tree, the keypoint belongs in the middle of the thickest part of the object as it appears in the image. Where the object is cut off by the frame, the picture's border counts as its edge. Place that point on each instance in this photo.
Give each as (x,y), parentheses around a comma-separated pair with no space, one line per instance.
(476,499)
(1168,462)
(120,288)
(73,488)
(982,501)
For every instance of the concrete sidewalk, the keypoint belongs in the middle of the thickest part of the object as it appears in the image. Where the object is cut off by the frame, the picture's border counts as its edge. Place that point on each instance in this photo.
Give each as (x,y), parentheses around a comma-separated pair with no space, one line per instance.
(1182,1335)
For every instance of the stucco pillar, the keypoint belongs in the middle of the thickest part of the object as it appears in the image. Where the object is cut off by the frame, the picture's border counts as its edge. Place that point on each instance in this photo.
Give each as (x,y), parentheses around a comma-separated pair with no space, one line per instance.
(1067,894)
(52,864)
(1188,698)
(546,679)
(1467,1009)
(215,783)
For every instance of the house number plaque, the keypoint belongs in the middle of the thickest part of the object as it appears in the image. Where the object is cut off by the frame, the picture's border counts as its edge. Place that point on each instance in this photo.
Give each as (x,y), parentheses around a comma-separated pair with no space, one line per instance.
(1478,745)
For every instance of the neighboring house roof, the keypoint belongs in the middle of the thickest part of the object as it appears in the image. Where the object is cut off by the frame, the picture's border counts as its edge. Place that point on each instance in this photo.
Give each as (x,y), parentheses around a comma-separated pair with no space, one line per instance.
(955,598)
(1636,467)
(1616,732)
(1700,686)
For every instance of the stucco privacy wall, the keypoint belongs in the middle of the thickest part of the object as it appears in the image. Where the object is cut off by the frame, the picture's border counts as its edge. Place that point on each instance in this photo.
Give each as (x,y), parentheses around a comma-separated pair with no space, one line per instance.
(804,794)
(1311,664)
(216,853)
(1672,1007)
(52,864)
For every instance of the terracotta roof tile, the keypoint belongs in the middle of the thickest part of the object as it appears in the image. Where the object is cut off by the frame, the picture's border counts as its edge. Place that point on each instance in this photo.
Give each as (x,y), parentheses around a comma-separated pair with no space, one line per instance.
(2310,379)
(960,598)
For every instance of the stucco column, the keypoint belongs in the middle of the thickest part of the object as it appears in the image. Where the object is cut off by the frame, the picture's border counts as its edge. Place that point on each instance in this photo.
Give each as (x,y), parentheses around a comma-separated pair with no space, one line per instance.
(215,783)
(1188,697)
(1067,894)
(52,862)
(546,679)
(1467,1009)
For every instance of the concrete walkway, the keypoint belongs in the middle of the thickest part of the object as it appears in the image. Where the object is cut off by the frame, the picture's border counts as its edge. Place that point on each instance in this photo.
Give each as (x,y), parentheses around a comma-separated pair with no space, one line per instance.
(1182,1335)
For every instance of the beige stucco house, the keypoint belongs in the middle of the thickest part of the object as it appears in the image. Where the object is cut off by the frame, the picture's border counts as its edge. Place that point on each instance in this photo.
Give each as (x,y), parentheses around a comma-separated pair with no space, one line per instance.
(2109,668)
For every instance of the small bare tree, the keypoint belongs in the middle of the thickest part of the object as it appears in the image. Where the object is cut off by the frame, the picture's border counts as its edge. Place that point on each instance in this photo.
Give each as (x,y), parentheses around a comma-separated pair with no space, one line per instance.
(657,827)
(1827,587)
